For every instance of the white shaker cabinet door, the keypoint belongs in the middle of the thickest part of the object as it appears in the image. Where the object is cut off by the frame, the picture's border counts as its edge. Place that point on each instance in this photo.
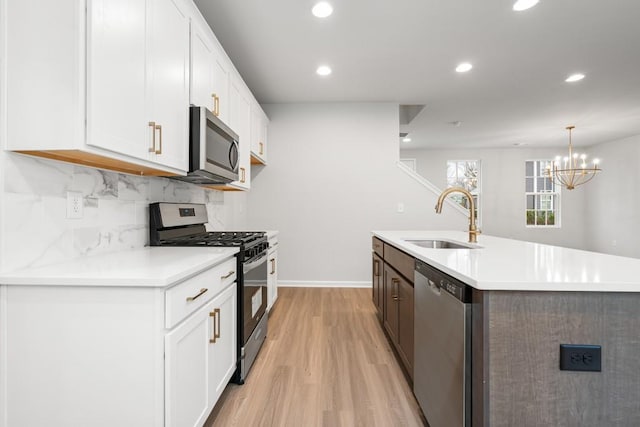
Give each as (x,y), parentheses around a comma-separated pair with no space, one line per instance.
(116,63)
(222,352)
(202,69)
(168,80)
(272,279)
(239,121)
(186,364)
(221,67)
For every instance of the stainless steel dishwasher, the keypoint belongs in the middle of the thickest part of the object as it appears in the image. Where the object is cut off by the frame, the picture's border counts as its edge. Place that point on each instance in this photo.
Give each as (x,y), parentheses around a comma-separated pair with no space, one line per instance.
(442,352)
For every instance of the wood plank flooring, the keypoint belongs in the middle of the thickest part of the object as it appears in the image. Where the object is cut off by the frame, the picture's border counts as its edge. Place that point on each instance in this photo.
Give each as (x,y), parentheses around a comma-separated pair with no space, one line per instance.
(326,362)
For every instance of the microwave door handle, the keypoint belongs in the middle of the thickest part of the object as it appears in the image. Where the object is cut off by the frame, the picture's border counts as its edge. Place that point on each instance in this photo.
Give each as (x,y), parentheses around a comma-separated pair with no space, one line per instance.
(233,155)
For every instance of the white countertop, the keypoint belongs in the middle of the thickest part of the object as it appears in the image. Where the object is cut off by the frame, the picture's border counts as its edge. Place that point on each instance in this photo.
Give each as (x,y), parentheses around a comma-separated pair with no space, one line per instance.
(506,264)
(145,267)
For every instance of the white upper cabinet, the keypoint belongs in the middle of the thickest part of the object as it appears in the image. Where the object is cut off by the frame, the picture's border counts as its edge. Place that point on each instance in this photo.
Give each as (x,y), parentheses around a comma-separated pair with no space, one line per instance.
(137,80)
(116,78)
(240,122)
(209,71)
(202,65)
(221,70)
(168,83)
(259,125)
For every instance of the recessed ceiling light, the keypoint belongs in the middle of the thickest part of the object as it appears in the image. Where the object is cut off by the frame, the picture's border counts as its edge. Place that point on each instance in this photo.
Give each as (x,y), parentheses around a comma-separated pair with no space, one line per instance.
(574,77)
(323,70)
(464,67)
(407,139)
(322,9)
(524,5)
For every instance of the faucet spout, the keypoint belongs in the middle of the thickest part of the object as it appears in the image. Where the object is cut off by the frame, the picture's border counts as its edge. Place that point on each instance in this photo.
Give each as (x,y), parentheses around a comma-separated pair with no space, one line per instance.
(473,230)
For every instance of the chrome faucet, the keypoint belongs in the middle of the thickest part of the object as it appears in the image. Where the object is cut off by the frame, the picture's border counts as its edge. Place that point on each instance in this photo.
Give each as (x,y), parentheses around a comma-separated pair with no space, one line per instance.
(473,230)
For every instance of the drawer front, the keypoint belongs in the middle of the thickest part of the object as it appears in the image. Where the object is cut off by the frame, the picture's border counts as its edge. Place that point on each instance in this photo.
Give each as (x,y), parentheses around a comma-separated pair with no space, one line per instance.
(377,246)
(403,263)
(186,297)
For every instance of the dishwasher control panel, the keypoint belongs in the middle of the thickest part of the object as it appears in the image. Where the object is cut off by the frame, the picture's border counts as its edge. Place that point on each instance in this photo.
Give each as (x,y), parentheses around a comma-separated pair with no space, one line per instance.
(444,282)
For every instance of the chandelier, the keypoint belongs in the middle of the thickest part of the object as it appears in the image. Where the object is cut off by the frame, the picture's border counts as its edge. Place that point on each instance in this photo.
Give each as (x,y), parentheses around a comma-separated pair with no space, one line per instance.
(572,170)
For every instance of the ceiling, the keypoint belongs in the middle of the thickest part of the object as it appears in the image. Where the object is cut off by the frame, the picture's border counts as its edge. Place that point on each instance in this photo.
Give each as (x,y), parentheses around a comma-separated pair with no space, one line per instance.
(405,51)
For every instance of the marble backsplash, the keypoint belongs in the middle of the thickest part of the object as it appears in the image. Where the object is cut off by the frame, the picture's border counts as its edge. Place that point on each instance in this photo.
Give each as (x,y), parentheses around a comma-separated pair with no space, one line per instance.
(116,214)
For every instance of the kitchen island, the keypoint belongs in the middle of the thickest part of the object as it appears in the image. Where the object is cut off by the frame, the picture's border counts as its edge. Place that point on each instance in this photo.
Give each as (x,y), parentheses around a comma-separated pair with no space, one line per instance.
(527,300)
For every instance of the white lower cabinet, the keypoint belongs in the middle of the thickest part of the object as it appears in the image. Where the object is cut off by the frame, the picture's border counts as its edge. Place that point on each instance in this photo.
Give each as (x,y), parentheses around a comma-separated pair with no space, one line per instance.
(106,356)
(200,356)
(272,278)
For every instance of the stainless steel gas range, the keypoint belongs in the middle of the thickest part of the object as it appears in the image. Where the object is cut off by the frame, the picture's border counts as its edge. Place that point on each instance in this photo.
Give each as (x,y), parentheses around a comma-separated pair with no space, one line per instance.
(183,224)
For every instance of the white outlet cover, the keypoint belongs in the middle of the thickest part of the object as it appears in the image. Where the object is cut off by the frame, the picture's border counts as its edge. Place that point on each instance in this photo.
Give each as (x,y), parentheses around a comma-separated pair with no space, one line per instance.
(75,204)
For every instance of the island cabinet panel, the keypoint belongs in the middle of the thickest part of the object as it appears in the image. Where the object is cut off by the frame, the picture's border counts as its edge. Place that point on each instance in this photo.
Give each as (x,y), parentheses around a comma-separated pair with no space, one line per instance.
(521,345)
(398,303)
(403,263)
(377,275)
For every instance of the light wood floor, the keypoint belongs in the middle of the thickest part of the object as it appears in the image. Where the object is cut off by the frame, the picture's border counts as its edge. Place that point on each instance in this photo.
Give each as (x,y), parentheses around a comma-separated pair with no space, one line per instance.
(326,362)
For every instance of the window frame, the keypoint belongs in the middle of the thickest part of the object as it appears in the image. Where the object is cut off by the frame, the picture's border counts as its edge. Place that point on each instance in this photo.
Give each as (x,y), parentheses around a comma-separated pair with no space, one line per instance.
(555,194)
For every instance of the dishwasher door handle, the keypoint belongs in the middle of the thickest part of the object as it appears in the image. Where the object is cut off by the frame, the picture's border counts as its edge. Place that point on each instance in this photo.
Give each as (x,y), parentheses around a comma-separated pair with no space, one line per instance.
(434,287)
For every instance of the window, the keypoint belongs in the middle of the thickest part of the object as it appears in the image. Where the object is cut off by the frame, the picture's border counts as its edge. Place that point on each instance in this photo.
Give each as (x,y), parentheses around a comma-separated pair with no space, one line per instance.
(542,196)
(465,174)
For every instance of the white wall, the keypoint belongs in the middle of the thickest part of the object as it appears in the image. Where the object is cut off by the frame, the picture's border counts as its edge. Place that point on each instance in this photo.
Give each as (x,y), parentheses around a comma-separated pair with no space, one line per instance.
(503,186)
(331,179)
(613,202)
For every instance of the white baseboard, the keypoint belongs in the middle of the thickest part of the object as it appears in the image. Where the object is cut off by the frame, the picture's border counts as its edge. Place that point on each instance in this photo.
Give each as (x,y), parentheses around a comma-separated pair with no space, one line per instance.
(322,284)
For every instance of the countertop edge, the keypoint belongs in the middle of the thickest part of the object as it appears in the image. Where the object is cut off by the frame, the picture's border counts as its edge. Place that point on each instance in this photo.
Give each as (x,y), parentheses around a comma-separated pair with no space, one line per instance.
(141,277)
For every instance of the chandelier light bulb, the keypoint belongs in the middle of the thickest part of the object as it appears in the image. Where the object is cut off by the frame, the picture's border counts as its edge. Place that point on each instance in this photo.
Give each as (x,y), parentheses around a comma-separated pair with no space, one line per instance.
(596,161)
(583,156)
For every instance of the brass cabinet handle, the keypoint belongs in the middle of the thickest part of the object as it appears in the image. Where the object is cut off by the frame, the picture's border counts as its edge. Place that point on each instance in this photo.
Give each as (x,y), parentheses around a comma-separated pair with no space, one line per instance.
(153,140)
(273,265)
(396,281)
(227,275)
(202,291)
(217,310)
(213,314)
(213,110)
(216,105)
(159,151)
(261,148)
(376,267)
(216,325)
(243,175)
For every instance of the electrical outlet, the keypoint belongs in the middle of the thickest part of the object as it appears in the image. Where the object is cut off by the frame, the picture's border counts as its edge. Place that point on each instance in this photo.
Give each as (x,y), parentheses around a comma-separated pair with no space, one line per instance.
(400,207)
(580,357)
(75,203)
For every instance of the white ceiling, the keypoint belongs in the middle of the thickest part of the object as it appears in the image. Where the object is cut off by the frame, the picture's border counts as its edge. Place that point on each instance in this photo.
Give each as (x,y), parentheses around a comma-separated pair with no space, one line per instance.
(405,51)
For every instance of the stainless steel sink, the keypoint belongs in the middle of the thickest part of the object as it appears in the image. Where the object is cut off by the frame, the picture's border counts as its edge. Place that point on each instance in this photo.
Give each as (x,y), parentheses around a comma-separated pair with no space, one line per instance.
(439,244)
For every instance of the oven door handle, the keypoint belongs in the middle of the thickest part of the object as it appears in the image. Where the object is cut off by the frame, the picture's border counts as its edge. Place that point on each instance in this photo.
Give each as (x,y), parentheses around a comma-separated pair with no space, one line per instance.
(248,266)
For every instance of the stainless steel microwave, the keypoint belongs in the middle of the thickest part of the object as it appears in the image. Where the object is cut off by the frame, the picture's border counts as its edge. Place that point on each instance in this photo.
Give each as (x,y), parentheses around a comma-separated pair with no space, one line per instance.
(213,149)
